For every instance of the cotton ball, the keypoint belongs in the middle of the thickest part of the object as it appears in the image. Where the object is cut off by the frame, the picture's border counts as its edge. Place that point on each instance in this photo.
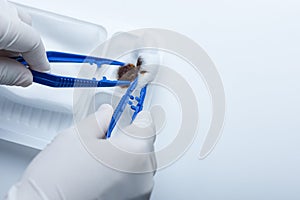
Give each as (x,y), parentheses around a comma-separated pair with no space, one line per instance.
(148,69)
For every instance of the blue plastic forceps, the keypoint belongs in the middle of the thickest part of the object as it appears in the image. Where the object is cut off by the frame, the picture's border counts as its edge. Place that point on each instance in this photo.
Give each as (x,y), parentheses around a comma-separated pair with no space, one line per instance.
(127,98)
(63,81)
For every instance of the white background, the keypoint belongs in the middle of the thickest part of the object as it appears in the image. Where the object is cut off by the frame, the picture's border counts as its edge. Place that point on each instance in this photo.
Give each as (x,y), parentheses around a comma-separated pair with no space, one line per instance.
(255,46)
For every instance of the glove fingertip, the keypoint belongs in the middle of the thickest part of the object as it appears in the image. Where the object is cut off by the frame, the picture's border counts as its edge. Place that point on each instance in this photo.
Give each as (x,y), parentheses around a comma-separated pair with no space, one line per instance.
(142,127)
(44,67)
(105,108)
(14,73)
(103,117)
(143,119)
(41,65)
(27,79)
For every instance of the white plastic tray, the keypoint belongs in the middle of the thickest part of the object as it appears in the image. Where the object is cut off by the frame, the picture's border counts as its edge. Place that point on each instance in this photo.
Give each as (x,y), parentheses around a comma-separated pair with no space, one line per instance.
(32,116)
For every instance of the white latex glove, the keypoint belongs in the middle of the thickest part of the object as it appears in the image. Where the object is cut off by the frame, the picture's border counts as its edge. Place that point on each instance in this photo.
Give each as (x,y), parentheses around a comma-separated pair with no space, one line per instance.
(68,170)
(17,37)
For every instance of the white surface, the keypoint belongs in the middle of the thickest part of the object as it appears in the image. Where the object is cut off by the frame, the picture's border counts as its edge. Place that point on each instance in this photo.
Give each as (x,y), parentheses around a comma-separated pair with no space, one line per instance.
(255,45)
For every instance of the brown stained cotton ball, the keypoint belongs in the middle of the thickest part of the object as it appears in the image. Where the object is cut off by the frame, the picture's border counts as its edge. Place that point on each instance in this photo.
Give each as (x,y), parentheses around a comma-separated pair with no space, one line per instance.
(129,72)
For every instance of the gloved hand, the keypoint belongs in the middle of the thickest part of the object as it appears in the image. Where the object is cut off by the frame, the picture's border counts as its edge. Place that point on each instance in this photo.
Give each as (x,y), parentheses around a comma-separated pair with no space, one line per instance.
(17,37)
(84,166)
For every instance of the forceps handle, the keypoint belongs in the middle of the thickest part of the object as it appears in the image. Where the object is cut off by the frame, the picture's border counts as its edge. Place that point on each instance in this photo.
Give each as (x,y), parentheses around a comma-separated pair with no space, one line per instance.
(121,107)
(62,57)
(63,81)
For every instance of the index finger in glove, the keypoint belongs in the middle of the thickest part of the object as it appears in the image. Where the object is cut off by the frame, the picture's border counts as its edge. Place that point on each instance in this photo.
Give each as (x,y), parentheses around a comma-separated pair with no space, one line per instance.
(24,39)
